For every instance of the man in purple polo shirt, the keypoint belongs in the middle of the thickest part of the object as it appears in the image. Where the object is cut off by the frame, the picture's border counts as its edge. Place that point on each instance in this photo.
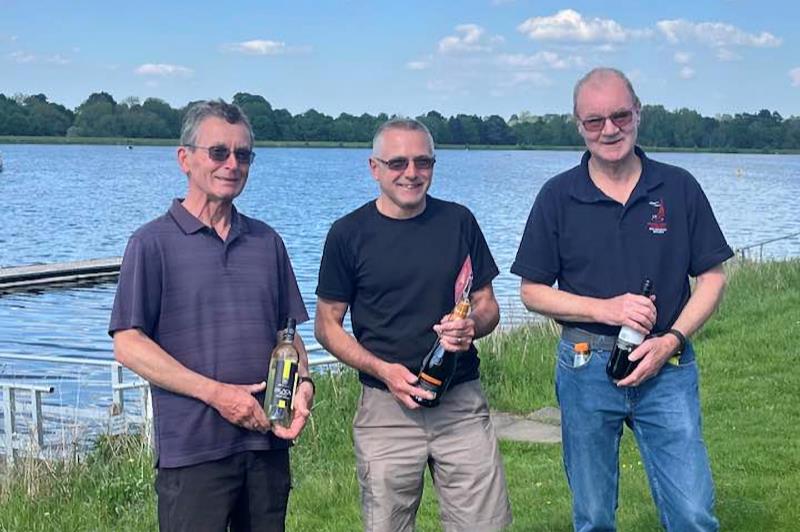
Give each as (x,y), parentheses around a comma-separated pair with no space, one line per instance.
(599,229)
(202,293)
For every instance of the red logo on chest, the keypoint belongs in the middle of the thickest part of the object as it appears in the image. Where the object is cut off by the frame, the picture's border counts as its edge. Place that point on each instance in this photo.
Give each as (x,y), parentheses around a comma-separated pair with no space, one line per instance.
(658,220)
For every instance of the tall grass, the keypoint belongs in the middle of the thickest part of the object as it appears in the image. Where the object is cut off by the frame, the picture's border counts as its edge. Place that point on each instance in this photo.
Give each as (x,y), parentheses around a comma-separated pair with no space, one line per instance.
(748,359)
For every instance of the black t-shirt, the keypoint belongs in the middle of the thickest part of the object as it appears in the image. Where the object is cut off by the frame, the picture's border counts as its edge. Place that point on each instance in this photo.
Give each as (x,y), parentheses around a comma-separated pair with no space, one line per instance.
(398,277)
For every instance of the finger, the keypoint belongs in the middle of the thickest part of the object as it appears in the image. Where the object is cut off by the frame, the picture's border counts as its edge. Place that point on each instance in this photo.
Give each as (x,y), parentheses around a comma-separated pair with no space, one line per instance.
(255,388)
(414,391)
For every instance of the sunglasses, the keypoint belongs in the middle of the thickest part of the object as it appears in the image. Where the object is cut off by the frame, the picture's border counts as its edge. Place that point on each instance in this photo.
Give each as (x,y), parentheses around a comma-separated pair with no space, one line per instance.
(398,164)
(221,153)
(621,119)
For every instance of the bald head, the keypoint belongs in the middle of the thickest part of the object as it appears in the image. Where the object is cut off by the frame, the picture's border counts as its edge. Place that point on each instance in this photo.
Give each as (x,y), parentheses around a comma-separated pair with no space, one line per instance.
(600,76)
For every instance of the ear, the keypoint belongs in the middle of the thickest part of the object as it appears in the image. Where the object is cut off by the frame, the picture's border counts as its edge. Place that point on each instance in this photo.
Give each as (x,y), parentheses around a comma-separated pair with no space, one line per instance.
(183,155)
(373,168)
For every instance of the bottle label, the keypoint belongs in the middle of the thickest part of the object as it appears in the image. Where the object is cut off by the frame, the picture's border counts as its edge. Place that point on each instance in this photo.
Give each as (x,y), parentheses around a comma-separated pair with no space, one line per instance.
(283,389)
(628,335)
(580,359)
(425,378)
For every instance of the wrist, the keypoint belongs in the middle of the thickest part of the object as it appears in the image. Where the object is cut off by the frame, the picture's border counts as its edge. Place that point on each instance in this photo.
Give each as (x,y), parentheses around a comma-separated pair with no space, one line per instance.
(309,380)
(678,338)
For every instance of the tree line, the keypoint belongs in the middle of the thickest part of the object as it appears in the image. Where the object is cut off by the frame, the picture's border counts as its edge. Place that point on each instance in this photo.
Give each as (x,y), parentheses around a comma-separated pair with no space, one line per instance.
(101,116)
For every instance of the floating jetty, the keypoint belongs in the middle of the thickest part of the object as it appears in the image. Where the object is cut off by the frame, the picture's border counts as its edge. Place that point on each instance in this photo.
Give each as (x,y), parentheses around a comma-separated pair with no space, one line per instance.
(59,272)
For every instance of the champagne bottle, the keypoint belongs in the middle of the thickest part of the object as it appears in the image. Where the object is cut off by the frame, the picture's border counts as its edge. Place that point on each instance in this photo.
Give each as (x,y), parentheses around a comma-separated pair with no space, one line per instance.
(619,366)
(282,378)
(439,366)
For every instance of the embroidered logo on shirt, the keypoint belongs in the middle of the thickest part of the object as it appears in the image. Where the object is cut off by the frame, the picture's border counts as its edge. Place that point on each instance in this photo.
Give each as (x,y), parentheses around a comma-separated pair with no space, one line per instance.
(658,220)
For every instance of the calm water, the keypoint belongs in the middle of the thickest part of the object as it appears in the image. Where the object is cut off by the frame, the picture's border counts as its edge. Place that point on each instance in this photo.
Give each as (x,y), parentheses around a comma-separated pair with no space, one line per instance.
(77,202)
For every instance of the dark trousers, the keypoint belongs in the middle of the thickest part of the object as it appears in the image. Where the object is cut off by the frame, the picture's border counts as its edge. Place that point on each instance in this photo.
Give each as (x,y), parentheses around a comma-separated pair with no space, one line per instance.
(247,492)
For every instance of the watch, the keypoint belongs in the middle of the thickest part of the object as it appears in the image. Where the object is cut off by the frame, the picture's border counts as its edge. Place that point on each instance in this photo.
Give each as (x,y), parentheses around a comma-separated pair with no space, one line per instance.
(308,380)
(681,339)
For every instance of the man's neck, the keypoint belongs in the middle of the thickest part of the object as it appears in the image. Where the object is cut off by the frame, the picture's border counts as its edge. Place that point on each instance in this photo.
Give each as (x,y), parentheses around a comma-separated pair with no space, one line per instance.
(213,213)
(616,179)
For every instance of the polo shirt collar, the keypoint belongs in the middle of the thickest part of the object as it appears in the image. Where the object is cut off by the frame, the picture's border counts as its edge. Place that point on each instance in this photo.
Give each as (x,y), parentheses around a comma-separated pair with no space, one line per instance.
(584,189)
(190,224)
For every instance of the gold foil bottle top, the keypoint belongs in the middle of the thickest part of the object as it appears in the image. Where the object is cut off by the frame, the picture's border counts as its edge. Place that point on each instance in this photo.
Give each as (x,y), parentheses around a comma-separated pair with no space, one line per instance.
(461,310)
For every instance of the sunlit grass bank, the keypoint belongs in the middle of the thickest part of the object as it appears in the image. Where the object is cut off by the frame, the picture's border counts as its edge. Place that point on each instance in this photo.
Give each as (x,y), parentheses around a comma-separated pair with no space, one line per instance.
(750,378)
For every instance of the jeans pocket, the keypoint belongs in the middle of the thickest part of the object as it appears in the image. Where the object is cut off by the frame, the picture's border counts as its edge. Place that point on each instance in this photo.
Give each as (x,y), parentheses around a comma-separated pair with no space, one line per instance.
(565,352)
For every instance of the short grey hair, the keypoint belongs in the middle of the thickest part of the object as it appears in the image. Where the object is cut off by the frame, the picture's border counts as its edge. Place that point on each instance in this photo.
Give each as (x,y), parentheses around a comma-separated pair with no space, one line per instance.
(199,111)
(404,124)
(603,72)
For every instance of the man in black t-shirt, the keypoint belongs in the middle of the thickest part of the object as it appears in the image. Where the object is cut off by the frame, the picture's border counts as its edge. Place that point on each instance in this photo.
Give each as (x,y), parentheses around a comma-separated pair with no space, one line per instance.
(395,263)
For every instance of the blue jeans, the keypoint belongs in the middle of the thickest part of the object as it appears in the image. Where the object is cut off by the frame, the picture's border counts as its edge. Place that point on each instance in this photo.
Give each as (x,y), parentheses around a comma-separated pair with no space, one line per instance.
(664,415)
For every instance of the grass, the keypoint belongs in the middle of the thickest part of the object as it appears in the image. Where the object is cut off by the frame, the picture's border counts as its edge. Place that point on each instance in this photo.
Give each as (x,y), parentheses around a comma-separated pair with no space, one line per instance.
(748,358)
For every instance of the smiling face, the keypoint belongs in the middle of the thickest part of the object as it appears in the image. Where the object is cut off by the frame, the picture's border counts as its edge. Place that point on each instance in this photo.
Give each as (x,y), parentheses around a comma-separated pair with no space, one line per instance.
(605,95)
(402,191)
(211,180)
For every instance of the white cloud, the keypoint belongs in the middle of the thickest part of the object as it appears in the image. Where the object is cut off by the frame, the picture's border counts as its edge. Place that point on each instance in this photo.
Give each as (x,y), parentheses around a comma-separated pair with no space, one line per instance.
(794,75)
(471,39)
(57,59)
(569,25)
(259,47)
(686,72)
(22,57)
(682,58)
(536,79)
(542,59)
(418,65)
(723,54)
(163,70)
(714,34)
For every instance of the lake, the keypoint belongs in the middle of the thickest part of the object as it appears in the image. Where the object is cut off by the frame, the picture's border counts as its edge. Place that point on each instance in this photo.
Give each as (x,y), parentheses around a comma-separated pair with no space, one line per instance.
(78,202)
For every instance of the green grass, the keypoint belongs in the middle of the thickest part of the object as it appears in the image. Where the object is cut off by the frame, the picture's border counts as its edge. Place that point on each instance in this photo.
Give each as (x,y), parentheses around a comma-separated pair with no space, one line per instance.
(748,359)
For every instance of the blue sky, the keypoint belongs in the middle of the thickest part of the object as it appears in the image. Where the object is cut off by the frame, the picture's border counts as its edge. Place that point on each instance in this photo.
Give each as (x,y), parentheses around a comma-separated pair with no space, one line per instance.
(407,57)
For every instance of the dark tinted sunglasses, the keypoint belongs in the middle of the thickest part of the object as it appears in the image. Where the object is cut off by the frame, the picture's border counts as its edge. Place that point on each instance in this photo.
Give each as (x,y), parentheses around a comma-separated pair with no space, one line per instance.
(398,164)
(621,119)
(221,153)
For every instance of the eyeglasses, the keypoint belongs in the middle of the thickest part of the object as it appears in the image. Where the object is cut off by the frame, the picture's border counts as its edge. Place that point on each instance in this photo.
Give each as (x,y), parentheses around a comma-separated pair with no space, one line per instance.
(398,164)
(221,153)
(621,119)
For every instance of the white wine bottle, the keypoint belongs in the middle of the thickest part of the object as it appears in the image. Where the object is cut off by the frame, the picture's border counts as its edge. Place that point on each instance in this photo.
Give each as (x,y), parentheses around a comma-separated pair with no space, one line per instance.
(282,378)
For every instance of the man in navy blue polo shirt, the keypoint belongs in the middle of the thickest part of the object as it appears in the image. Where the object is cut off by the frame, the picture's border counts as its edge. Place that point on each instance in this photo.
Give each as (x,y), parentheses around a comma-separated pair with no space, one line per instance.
(202,293)
(599,230)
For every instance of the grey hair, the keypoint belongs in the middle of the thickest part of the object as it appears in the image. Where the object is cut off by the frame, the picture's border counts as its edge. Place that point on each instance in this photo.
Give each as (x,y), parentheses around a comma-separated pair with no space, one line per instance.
(404,124)
(603,71)
(199,111)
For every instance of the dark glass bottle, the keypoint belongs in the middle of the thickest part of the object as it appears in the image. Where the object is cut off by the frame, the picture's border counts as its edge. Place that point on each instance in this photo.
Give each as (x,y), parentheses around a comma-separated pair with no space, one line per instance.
(282,378)
(439,366)
(619,366)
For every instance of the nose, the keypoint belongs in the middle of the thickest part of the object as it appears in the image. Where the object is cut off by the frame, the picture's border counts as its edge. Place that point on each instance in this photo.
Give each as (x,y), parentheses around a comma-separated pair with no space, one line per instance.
(609,127)
(411,170)
(231,161)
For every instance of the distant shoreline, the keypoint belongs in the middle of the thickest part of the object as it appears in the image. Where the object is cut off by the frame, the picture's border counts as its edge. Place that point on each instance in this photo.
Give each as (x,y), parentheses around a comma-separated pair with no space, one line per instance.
(125,142)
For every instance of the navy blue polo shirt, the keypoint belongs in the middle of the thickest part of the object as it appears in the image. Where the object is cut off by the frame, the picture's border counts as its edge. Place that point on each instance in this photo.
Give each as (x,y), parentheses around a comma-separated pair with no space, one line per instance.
(594,246)
(213,305)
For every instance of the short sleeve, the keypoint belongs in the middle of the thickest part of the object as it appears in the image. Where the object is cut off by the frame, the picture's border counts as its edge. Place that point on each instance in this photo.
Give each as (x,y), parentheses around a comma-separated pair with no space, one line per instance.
(484,268)
(538,257)
(291,301)
(708,245)
(137,302)
(336,273)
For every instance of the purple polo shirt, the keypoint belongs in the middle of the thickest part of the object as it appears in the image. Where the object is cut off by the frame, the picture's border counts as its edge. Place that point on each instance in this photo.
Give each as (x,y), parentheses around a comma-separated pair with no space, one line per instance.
(215,307)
